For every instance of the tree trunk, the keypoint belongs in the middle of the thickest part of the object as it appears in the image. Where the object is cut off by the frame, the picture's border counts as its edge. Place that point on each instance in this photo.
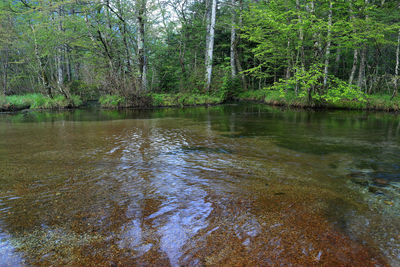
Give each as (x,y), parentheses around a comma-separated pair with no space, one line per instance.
(5,71)
(210,47)
(328,45)
(361,70)
(337,61)
(288,68)
(396,69)
(355,55)
(42,73)
(353,69)
(124,37)
(237,57)
(233,40)
(316,35)
(60,75)
(141,13)
(301,35)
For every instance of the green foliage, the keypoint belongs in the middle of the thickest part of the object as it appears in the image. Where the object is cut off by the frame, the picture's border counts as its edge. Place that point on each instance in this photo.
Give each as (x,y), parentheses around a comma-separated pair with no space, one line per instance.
(112,101)
(39,101)
(253,95)
(231,87)
(347,101)
(309,84)
(86,91)
(166,100)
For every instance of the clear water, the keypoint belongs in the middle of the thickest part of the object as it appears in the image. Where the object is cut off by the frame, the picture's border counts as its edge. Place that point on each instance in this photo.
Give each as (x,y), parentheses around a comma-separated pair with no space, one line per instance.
(228,185)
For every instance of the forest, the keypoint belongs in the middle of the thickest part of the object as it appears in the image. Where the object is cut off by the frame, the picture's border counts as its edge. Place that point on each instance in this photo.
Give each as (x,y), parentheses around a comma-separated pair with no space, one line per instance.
(123,53)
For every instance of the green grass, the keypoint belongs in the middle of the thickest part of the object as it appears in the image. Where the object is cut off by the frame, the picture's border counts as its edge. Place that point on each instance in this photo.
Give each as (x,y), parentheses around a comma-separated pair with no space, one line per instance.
(181,99)
(112,101)
(158,100)
(271,97)
(38,101)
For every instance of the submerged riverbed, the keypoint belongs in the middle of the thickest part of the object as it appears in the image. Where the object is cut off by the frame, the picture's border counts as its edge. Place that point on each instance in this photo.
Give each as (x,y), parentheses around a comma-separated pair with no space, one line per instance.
(227,185)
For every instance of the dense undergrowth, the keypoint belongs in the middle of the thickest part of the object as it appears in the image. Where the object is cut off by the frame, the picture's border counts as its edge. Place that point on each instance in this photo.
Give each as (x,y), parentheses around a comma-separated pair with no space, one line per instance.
(38,101)
(160,100)
(368,102)
(267,96)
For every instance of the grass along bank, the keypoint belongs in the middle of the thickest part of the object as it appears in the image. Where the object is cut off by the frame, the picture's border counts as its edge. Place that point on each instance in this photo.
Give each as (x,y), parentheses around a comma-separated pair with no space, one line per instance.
(369,102)
(267,96)
(37,101)
(159,100)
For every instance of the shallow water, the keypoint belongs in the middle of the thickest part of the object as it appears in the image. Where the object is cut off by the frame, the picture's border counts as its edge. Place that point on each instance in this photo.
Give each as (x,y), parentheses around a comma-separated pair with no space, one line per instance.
(236,185)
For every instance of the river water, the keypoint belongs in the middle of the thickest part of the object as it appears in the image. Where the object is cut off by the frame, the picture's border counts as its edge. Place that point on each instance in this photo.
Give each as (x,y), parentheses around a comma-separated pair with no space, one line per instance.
(231,185)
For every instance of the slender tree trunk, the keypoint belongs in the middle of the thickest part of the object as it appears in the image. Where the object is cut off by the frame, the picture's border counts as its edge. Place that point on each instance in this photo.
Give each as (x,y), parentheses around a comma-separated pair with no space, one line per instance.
(237,58)
(301,36)
(60,74)
(141,13)
(124,37)
(153,75)
(355,55)
(207,18)
(68,68)
(287,75)
(233,40)
(301,52)
(5,71)
(316,35)
(337,61)
(361,70)
(210,47)
(240,69)
(328,45)
(396,69)
(353,69)
(182,50)
(59,55)
(42,73)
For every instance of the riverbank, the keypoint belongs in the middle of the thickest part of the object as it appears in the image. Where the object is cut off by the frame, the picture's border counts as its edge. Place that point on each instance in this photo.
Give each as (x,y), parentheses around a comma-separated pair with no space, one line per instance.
(159,100)
(371,102)
(269,97)
(38,101)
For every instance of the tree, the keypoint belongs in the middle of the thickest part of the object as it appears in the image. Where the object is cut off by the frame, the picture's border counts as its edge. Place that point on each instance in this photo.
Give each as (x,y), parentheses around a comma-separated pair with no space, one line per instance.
(210,44)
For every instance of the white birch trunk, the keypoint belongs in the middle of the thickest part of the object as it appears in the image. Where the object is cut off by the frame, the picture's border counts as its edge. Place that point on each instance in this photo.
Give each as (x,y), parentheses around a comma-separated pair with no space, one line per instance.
(59,55)
(141,12)
(233,40)
(210,47)
(396,69)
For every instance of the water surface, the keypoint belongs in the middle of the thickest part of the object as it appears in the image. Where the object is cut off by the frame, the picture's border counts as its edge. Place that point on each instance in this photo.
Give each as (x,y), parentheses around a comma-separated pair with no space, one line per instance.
(236,185)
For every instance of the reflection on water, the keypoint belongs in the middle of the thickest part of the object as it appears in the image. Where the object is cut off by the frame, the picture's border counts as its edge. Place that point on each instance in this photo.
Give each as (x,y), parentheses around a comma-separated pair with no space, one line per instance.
(228,185)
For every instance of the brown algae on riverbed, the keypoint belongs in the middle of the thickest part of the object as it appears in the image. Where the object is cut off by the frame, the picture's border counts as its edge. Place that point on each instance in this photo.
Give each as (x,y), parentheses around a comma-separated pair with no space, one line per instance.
(191,189)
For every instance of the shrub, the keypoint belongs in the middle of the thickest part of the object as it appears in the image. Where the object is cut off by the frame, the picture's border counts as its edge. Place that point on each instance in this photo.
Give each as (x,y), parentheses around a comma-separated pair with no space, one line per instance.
(112,101)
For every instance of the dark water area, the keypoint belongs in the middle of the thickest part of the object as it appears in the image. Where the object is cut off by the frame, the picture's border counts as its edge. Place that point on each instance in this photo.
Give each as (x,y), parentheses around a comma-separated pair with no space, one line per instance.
(231,185)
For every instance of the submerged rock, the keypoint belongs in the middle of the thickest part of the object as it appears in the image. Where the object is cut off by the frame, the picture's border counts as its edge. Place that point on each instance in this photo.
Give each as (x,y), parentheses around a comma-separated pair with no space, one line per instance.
(360,181)
(381,182)
(375,190)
